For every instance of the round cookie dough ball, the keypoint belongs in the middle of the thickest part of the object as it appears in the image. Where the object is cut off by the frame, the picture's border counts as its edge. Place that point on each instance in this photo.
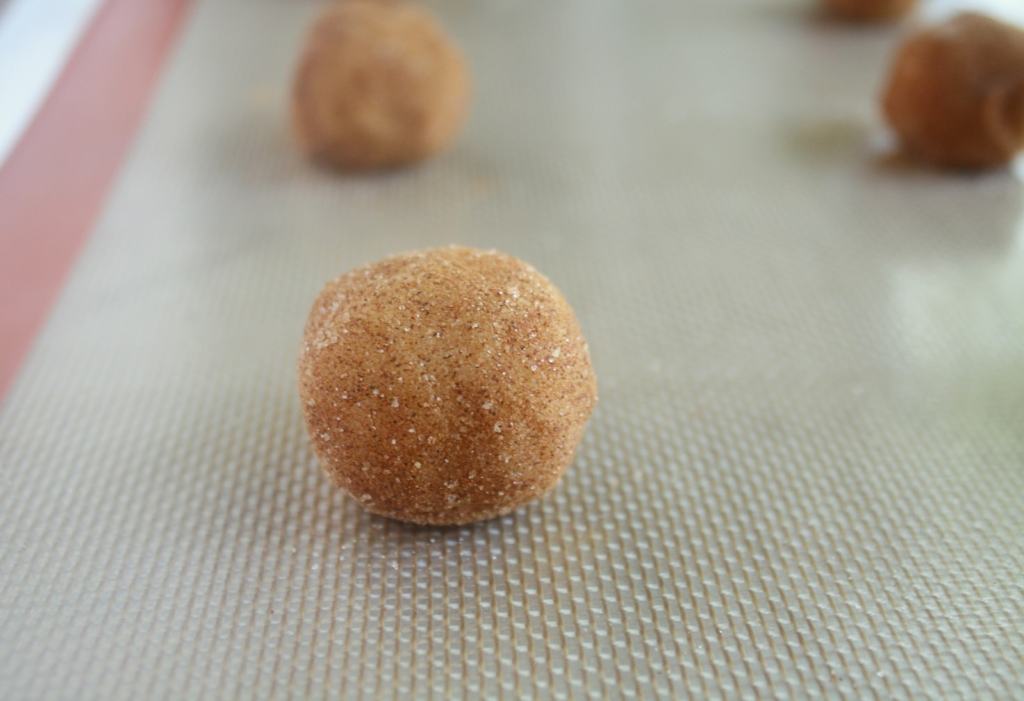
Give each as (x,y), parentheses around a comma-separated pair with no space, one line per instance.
(445,386)
(869,10)
(378,85)
(955,94)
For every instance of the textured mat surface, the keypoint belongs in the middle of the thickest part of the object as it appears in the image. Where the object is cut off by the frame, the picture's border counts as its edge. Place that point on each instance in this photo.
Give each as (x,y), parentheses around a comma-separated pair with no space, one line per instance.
(805,476)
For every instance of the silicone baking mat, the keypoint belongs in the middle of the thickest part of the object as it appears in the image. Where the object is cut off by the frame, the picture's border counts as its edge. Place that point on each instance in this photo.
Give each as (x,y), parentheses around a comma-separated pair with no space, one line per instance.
(805,476)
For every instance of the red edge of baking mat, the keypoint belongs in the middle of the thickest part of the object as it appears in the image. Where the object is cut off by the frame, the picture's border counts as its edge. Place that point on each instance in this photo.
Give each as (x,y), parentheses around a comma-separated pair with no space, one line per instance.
(56,179)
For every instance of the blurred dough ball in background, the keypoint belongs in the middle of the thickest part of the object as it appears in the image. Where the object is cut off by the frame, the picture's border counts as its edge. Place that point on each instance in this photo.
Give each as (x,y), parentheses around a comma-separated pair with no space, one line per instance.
(378,85)
(869,10)
(955,92)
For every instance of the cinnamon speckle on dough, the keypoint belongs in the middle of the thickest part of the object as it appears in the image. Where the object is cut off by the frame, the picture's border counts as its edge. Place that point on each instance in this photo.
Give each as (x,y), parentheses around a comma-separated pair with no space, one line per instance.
(483,431)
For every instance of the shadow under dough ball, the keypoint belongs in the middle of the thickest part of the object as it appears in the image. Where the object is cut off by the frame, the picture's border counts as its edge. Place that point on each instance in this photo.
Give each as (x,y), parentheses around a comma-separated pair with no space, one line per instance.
(955,93)
(378,85)
(445,386)
(869,10)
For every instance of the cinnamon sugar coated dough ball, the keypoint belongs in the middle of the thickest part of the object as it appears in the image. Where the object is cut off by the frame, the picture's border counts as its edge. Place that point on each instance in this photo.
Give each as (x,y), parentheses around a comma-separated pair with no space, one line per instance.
(378,85)
(955,94)
(869,10)
(446,386)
